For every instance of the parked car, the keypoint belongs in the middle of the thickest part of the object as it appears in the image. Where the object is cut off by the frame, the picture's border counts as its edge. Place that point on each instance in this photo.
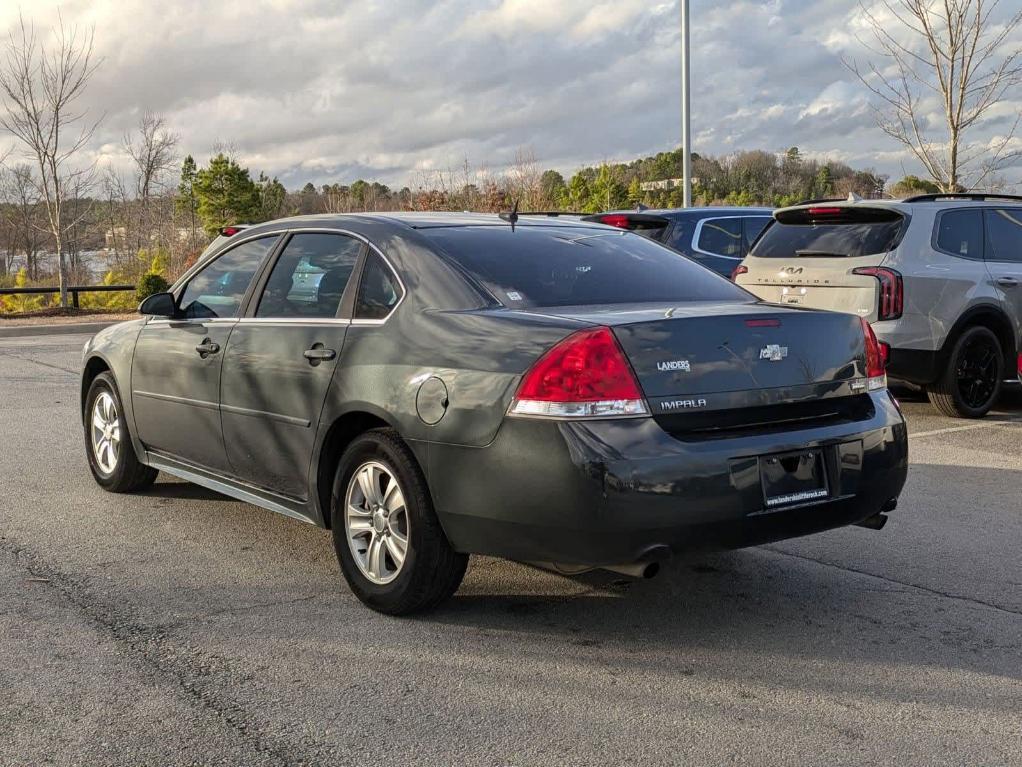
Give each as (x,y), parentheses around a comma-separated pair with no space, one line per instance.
(938,276)
(549,391)
(718,238)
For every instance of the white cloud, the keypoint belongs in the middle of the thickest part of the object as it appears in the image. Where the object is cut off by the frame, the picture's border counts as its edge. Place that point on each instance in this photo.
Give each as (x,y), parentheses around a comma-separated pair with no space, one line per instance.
(323,90)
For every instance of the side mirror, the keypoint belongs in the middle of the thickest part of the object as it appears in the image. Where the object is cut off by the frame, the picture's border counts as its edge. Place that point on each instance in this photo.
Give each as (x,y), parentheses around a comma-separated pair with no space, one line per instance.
(159,305)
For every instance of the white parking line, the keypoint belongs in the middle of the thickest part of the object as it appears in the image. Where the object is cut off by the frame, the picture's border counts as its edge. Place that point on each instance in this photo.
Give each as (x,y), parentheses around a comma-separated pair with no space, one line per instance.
(949,429)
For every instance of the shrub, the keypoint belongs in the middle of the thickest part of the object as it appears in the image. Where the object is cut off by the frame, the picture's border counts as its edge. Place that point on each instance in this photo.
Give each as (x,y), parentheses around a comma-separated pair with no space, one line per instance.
(150,283)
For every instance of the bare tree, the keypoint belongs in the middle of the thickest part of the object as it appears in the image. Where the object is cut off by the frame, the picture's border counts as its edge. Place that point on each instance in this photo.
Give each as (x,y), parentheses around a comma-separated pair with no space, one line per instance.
(949,56)
(41,88)
(152,151)
(26,228)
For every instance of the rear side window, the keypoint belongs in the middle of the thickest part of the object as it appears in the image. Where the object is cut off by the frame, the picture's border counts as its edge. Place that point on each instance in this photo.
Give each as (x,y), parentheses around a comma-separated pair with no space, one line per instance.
(831,232)
(960,233)
(378,292)
(721,236)
(535,266)
(309,278)
(217,290)
(1004,231)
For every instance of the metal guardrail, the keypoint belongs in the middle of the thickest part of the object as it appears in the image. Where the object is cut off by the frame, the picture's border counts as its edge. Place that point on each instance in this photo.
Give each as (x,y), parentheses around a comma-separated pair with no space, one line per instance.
(74,290)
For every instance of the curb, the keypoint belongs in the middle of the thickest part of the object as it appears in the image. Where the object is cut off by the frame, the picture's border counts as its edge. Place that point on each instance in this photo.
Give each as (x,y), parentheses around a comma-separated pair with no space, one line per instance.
(68,328)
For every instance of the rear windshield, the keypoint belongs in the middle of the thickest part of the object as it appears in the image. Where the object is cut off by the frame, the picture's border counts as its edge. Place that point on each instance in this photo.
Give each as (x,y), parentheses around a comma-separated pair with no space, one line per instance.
(536,266)
(823,233)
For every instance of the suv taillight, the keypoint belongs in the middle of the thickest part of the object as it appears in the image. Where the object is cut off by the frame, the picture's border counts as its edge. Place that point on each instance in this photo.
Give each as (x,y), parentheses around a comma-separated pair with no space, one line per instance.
(892,290)
(585,375)
(876,358)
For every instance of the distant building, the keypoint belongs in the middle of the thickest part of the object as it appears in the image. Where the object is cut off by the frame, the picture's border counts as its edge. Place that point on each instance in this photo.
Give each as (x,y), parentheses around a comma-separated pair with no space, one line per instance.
(664,183)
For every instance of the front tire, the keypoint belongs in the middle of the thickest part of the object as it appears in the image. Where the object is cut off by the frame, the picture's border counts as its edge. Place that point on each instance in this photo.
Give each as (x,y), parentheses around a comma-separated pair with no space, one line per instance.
(972,381)
(111,455)
(389,543)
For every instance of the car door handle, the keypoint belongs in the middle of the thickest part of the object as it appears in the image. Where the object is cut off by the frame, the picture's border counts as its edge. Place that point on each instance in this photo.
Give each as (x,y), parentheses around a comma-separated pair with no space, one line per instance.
(318,354)
(1007,282)
(207,347)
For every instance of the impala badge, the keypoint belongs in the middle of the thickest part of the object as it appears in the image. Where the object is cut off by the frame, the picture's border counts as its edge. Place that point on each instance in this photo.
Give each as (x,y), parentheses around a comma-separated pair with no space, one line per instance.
(668,365)
(773,352)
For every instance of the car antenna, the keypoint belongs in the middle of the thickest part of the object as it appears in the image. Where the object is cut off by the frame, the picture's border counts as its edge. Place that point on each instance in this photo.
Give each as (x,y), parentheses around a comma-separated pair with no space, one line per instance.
(511,217)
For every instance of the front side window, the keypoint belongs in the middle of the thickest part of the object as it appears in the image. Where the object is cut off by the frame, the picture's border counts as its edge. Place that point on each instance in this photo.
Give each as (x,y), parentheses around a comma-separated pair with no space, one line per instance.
(960,233)
(217,291)
(1004,231)
(378,292)
(309,278)
(721,236)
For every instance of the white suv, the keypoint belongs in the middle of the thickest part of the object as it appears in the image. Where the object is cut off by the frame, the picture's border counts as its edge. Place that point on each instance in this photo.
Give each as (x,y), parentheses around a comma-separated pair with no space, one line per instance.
(939,277)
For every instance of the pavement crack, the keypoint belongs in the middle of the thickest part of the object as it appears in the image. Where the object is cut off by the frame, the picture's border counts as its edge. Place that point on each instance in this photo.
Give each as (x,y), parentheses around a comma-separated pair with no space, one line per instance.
(37,362)
(194,672)
(894,581)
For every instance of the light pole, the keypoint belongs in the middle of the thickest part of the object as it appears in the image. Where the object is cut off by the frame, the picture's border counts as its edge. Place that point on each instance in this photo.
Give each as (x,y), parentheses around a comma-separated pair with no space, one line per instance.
(686,118)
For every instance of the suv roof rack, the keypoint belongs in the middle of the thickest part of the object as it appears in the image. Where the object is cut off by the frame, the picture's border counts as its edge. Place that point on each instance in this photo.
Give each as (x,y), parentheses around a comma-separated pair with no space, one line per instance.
(963,196)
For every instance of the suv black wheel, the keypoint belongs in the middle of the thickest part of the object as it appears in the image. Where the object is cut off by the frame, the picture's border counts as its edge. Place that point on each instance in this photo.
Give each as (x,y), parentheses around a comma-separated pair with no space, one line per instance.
(108,445)
(971,383)
(391,548)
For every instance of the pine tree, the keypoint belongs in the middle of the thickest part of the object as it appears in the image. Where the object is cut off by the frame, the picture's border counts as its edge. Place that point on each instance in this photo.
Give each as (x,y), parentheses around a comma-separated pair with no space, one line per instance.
(186,202)
(225,194)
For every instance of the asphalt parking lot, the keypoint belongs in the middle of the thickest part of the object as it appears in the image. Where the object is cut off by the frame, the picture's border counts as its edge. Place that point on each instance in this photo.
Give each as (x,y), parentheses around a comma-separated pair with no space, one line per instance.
(181,627)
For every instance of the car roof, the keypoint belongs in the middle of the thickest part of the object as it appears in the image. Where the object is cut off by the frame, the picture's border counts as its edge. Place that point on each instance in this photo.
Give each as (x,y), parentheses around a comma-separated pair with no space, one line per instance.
(426,220)
(703,211)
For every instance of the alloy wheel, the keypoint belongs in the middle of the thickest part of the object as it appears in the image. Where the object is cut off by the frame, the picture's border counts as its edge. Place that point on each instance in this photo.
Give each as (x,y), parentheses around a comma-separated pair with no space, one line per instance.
(977,372)
(376,522)
(106,432)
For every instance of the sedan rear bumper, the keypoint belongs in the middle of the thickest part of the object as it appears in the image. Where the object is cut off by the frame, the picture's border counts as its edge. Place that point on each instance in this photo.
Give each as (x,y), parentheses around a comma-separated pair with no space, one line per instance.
(622,491)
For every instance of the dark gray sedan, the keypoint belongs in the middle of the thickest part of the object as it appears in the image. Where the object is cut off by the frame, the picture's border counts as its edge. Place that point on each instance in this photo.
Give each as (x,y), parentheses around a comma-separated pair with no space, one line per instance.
(431,386)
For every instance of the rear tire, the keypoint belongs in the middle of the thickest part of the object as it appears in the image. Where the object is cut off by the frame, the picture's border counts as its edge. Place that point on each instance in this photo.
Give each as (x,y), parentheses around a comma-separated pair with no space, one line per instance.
(389,543)
(971,383)
(112,458)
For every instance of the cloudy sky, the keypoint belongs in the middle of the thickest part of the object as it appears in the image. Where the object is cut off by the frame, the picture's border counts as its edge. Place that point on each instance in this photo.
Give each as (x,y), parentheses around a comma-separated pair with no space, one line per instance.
(333,90)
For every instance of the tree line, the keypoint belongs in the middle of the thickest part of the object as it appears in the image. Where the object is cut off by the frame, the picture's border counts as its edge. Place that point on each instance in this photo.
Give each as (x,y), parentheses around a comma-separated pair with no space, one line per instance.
(152,218)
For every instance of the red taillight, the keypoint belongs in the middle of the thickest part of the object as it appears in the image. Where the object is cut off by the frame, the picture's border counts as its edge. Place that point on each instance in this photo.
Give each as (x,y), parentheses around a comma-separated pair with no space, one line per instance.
(229,231)
(824,211)
(1020,367)
(586,374)
(615,219)
(892,291)
(740,269)
(762,323)
(876,358)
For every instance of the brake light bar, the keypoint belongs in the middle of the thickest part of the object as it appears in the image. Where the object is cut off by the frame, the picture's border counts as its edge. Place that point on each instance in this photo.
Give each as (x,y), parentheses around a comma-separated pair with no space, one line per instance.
(615,219)
(763,323)
(892,291)
(229,231)
(824,211)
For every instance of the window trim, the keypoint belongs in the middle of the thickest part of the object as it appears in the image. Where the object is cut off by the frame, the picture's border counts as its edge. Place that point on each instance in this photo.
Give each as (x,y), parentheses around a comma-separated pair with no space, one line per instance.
(361,273)
(282,235)
(987,251)
(699,230)
(935,232)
